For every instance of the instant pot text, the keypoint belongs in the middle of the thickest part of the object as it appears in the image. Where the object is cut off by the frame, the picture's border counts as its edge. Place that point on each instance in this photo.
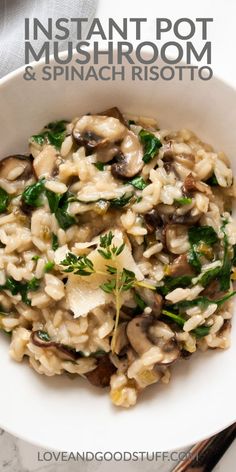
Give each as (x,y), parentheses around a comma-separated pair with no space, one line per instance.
(105,52)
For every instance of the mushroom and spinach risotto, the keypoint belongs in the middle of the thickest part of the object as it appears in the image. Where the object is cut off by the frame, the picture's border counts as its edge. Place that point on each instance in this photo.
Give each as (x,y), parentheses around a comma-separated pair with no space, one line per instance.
(117,251)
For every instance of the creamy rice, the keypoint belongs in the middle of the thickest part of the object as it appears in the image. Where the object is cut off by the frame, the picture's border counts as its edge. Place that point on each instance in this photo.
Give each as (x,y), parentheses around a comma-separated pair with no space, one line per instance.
(117,251)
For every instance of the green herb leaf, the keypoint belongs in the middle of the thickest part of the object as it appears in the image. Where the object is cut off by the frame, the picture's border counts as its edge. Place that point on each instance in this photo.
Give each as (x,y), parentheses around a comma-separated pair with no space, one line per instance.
(43,335)
(197,235)
(55,243)
(80,265)
(212,181)
(141,305)
(203,302)
(99,165)
(151,145)
(35,258)
(4,200)
(170,283)
(54,133)
(183,200)
(21,288)
(199,332)
(224,276)
(33,193)
(208,276)
(58,205)
(49,266)
(139,183)
(122,201)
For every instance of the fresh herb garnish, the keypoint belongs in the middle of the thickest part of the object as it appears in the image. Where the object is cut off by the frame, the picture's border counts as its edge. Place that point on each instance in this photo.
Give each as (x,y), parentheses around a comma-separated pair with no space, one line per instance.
(208,276)
(21,288)
(139,183)
(151,145)
(55,243)
(183,200)
(141,305)
(54,133)
(4,200)
(32,195)
(117,280)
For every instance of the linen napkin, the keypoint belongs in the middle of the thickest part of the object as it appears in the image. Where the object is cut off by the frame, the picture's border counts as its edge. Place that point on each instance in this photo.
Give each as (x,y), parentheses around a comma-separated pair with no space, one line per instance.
(12,24)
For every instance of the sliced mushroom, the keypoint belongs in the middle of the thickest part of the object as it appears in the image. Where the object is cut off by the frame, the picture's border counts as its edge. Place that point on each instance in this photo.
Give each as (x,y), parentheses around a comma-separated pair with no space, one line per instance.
(213,291)
(100,376)
(193,185)
(18,167)
(176,236)
(62,351)
(153,300)
(121,340)
(98,131)
(153,220)
(186,160)
(45,162)
(144,334)
(114,112)
(130,162)
(180,267)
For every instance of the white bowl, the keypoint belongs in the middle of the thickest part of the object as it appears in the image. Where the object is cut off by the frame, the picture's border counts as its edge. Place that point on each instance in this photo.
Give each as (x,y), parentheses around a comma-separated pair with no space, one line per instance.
(62,414)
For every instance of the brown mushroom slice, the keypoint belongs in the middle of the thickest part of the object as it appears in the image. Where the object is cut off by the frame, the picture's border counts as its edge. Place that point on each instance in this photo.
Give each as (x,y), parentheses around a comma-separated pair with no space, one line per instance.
(121,340)
(98,131)
(45,162)
(180,267)
(114,112)
(16,167)
(39,338)
(137,330)
(144,334)
(101,375)
(152,299)
(176,238)
(130,162)
(191,184)
(153,220)
(186,160)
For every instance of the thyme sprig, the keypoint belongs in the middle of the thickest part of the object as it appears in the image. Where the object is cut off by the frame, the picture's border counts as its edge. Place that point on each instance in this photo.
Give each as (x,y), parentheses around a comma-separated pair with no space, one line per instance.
(118,280)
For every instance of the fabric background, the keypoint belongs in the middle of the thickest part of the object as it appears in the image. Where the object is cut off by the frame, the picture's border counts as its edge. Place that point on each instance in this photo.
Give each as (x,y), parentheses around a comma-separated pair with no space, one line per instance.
(13,14)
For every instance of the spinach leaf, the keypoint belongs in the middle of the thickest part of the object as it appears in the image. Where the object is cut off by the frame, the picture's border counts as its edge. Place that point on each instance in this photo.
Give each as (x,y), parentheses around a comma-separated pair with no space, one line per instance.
(170,283)
(21,288)
(4,200)
(183,200)
(99,165)
(43,335)
(32,194)
(141,305)
(151,145)
(49,266)
(234,256)
(224,276)
(58,205)
(122,201)
(55,243)
(208,276)
(53,133)
(212,181)
(138,182)
(199,332)
(203,302)
(205,234)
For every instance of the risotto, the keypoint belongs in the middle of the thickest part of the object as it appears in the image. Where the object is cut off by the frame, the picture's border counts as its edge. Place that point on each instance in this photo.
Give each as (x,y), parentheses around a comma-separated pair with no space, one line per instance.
(117,251)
